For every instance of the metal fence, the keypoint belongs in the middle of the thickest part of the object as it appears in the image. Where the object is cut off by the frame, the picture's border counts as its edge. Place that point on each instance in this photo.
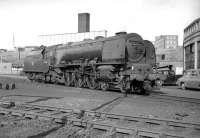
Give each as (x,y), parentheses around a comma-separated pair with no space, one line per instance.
(53,39)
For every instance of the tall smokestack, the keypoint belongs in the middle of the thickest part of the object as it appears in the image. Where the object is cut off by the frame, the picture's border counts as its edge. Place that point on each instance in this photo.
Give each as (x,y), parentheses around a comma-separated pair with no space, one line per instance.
(83,22)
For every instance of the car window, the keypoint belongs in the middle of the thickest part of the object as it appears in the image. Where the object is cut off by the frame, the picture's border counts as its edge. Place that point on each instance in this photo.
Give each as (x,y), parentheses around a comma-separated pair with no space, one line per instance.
(187,73)
(165,72)
(194,73)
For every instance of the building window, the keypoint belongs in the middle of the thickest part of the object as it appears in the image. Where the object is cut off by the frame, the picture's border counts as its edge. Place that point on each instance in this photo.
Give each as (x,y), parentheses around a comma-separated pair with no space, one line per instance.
(189,57)
(192,49)
(198,59)
(199,25)
(163,57)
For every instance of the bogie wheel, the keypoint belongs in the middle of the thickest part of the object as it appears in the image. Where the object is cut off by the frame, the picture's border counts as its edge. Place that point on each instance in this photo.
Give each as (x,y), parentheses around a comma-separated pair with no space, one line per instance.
(104,86)
(183,86)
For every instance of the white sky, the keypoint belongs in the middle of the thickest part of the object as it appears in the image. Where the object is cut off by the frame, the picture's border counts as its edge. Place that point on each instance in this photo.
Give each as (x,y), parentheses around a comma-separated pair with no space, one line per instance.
(29,18)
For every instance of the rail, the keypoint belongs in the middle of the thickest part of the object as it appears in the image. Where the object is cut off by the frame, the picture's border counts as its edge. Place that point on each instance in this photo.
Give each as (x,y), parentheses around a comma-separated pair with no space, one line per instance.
(110,123)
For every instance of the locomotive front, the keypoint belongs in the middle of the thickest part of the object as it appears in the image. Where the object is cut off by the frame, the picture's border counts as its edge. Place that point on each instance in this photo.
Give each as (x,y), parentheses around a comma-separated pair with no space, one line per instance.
(140,56)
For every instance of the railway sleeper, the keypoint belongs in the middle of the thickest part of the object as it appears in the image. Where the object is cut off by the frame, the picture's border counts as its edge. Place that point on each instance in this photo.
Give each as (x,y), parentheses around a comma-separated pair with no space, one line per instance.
(71,118)
(109,128)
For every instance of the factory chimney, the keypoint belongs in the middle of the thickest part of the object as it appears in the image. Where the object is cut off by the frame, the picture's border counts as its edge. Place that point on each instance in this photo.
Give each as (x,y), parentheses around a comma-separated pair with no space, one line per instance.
(83,22)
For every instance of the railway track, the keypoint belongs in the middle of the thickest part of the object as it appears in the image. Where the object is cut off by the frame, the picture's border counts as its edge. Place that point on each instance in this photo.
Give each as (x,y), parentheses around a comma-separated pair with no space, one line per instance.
(108,106)
(110,124)
(175,98)
(153,95)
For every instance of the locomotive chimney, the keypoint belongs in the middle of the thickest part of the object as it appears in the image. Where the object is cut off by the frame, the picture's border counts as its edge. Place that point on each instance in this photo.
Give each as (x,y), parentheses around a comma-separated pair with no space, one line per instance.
(83,22)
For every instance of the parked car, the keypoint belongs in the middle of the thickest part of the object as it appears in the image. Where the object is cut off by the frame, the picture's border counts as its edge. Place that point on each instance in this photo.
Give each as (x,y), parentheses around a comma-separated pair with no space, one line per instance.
(190,79)
(168,74)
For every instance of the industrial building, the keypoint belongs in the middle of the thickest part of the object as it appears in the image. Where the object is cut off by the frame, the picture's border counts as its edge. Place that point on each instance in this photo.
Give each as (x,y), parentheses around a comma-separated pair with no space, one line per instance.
(168,52)
(171,56)
(191,44)
(166,41)
(11,62)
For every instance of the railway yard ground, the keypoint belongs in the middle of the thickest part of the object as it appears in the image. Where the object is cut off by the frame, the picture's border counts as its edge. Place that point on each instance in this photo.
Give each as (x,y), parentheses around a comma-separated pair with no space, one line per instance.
(34,110)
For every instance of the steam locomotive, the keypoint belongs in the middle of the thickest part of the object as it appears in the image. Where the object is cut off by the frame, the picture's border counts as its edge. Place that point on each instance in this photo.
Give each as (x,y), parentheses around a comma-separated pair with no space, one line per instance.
(124,62)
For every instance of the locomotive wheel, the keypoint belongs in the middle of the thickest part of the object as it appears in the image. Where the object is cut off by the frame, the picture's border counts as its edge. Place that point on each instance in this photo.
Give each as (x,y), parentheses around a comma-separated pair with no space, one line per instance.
(74,81)
(48,79)
(67,83)
(68,79)
(123,87)
(28,76)
(91,82)
(80,82)
(138,90)
(104,86)
(31,76)
(123,90)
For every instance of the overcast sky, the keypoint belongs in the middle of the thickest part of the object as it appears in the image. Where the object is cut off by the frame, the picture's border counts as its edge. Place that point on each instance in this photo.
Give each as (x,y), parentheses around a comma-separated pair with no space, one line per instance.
(29,18)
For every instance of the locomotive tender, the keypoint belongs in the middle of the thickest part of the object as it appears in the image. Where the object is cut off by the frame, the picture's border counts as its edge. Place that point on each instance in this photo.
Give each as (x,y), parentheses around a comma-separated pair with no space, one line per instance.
(124,61)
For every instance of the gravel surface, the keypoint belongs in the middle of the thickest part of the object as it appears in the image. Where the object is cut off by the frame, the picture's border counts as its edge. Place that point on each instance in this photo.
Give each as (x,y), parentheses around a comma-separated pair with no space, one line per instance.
(80,102)
(176,91)
(19,99)
(78,98)
(155,108)
(25,128)
(75,132)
